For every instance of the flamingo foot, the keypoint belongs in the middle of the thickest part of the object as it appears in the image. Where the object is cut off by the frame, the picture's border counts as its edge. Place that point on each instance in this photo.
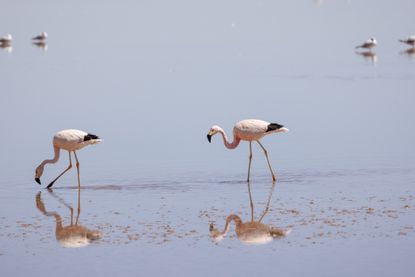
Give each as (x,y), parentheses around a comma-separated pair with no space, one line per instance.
(50,185)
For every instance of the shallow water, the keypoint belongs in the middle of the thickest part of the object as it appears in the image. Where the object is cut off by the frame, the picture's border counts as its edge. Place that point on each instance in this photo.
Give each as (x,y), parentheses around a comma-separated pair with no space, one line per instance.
(150,78)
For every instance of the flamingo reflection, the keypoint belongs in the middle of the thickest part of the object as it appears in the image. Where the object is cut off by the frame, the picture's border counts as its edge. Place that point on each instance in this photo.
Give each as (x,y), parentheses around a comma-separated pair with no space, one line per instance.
(253,232)
(73,235)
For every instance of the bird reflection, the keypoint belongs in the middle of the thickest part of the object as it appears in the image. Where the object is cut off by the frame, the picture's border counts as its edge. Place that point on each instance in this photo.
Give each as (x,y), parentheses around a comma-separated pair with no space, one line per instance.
(369,56)
(253,232)
(410,52)
(7,47)
(42,45)
(73,235)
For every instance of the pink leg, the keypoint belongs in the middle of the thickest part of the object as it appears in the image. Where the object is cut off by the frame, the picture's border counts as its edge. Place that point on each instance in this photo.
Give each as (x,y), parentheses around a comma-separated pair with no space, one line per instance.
(269,165)
(250,159)
(69,167)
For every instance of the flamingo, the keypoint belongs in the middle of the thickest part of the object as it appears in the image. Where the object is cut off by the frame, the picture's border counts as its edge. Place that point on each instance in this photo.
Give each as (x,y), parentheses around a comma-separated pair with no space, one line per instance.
(42,36)
(70,140)
(409,40)
(368,44)
(7,39)
(249,130)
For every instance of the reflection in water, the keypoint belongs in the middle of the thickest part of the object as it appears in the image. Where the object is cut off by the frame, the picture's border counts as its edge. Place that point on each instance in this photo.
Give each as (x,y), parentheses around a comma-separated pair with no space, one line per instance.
(7,47)
(74,235)
(42,45)
(253,232)
(369,56)
(410,52)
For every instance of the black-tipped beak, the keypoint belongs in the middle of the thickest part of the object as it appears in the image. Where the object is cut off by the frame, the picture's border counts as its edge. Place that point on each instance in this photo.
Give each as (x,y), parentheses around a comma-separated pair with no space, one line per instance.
(209,137)
(38,181)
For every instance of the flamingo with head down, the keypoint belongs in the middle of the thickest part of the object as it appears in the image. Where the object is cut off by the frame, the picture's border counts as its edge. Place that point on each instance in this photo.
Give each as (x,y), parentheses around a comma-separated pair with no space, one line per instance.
(70,140)
(249,130)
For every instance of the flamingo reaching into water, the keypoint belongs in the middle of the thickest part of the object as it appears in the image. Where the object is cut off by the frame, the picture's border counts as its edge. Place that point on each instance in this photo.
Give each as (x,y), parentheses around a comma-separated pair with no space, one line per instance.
(249,130)
(70,140)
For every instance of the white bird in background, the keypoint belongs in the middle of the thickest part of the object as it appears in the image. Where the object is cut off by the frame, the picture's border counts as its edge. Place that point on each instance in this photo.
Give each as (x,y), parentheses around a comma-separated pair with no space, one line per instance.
(42,36)
(249,130)
(7,39)
(368,44)
(70,140)
(409,40)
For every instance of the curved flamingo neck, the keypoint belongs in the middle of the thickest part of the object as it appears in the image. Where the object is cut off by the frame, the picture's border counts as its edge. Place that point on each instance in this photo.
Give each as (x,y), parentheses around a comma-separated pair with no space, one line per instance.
(229,145)
(55,157)
(233,217)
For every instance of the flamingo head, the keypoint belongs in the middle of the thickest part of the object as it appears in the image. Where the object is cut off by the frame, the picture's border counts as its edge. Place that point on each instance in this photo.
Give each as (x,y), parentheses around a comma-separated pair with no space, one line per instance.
(213,131)
(215,234)
(38,174)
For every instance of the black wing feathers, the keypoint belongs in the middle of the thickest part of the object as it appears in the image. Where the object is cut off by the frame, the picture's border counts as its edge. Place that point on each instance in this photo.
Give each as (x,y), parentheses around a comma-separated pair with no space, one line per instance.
(274,126)
(90,136)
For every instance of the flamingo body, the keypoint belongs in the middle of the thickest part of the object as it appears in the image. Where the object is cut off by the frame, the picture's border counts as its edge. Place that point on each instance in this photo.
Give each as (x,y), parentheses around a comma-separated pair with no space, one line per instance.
(254,129)
(248,130)
(70,140)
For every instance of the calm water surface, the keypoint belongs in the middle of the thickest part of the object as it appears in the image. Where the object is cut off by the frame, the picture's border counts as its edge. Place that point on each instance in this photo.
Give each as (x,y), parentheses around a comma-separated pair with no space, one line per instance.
(150,78)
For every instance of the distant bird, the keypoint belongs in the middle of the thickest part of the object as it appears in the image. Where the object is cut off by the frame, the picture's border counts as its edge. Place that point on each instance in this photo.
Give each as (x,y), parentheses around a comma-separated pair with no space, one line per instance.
(7,39)
(70,140)
(409,40)
(368,44)
(249,130)
(42,36)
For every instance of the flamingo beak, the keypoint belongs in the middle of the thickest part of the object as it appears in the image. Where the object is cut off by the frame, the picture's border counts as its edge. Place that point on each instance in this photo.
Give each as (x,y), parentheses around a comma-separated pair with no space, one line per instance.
(38,180)
(209,137)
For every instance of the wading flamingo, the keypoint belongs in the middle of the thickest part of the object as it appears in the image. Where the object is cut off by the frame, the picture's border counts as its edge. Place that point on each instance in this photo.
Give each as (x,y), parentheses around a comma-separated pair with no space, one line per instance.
(368,44)
(70,140)
(251,232)
(249,130)
(42,36)
(409,40)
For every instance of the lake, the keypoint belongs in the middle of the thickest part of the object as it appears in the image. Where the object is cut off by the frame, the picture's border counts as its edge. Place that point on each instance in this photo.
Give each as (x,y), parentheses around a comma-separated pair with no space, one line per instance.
(151,78)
